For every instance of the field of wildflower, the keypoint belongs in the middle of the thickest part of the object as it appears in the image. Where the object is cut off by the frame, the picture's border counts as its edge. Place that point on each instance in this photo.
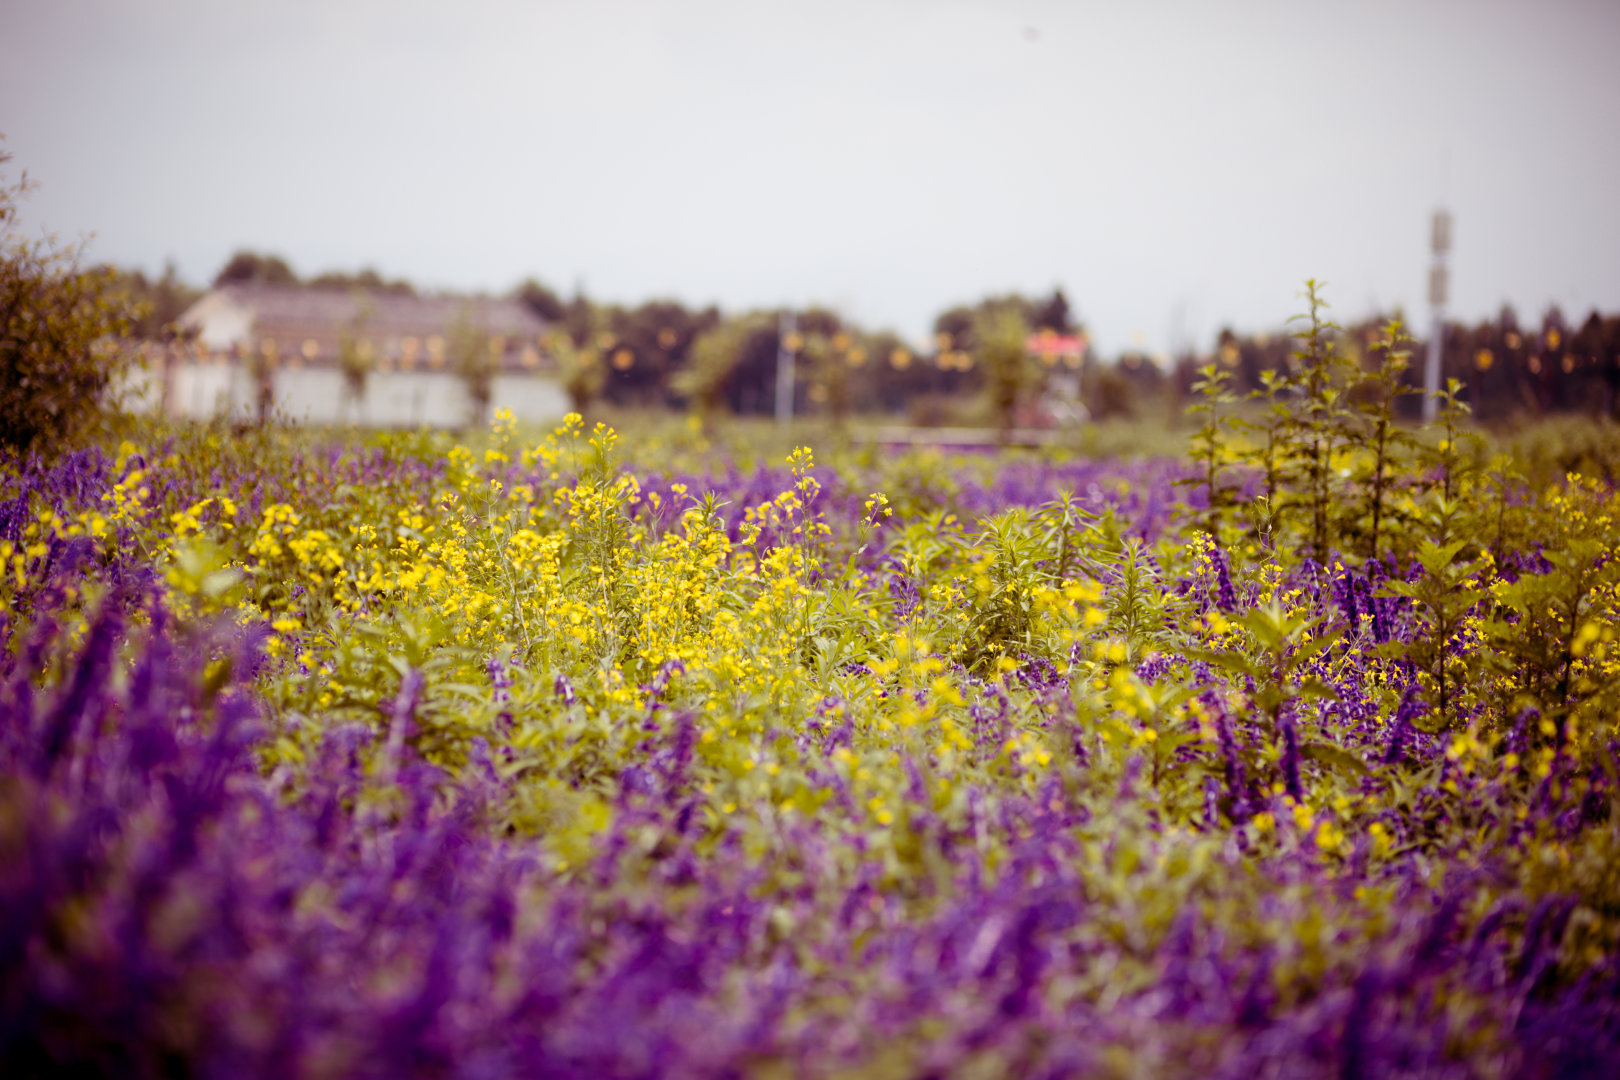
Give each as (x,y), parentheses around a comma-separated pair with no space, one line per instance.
(556,754)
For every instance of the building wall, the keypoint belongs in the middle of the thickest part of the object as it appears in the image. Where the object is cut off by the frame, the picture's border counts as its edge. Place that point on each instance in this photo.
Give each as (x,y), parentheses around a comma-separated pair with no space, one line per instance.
(319,396)
(221,324)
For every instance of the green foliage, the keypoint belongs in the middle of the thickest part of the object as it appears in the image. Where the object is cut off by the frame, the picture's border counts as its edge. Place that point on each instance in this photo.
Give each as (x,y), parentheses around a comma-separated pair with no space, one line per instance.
(581,370)
(540,299)
(1316,422)
(1010,375)
(250,266)
(1445,595)
(1209,450)
(354,353)
(714,356)
(1337,471)
(366,280)
(155,303)
(1374,425)
(1546,630)
(474,358)
(57,325)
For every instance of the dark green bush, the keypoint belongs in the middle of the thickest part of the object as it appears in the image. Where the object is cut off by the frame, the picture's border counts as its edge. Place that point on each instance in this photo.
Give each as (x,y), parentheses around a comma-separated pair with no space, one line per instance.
(58,331)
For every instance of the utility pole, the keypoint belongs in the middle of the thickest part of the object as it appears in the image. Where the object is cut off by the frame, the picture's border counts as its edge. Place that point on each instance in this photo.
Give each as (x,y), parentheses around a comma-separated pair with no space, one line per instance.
(785,374)
(1439,286)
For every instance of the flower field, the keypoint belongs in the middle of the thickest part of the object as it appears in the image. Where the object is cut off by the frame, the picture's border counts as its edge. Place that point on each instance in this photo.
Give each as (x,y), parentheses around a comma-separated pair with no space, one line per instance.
(547,755)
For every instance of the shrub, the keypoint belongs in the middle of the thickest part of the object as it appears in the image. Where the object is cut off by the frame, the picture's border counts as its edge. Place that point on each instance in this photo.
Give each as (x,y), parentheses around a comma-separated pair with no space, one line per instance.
(56,323)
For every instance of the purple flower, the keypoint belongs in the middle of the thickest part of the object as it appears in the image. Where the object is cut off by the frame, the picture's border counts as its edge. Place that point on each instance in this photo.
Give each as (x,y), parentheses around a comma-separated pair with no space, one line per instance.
(1410,709)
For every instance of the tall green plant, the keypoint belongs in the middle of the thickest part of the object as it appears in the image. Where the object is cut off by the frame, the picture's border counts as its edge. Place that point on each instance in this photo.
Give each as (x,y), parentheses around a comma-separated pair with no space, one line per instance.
(1213,392)
(1388,447)
(1268,454)
(1319,422)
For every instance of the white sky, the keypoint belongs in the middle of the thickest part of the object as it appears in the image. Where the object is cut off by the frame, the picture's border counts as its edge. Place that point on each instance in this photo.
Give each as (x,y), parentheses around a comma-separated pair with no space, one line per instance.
(1174,166)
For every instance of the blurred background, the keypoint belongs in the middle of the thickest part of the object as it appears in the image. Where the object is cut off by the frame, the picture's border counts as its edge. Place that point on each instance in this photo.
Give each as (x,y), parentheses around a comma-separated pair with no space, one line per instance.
(732,206)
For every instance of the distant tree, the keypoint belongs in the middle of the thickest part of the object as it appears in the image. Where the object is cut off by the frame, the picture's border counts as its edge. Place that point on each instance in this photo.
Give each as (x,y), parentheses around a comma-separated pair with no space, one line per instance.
(1598,343)
(713,363)
(751,386)
(1054,314)
(1551,348)
(56,321)
(249,266)
(366,279)
(580,368)
(354,356)
(893,374)
(262,366)
(473,358)
(650,343)
(956,324)
(819,320)
(1001,336)
(541,300)
(581,318)
(156,304)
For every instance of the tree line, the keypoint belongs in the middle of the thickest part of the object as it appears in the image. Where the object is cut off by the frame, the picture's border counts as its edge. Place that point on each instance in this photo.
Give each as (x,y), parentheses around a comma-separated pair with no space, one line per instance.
(664,353)
(1507,368)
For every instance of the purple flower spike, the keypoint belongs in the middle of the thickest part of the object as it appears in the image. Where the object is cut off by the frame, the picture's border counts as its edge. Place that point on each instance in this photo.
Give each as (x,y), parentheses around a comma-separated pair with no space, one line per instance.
(1225,595)
(1411,708)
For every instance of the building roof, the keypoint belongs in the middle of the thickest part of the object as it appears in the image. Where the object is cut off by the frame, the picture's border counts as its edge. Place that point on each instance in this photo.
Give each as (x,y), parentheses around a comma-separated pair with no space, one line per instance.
(294,312)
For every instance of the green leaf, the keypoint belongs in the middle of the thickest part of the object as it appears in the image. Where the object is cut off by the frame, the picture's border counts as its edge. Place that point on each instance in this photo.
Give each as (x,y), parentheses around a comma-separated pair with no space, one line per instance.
(1317,690)
(1335,757)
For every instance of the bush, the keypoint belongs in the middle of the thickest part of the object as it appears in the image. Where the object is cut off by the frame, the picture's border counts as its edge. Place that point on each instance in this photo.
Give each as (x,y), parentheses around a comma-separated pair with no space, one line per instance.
(56,326)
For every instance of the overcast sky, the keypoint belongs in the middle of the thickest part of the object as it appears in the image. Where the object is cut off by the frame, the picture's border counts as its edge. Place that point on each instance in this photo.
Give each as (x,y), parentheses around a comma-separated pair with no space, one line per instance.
(1175,167)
